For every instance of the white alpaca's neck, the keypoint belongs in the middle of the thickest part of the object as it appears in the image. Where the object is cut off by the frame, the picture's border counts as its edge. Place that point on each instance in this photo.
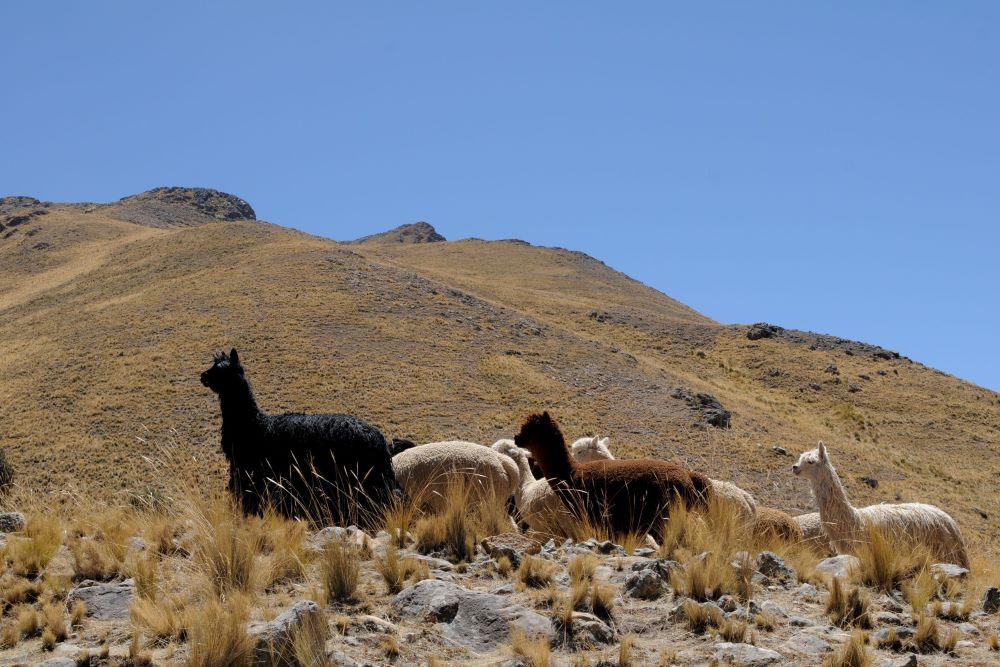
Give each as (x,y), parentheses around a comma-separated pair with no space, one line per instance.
(524,469)
(840,520)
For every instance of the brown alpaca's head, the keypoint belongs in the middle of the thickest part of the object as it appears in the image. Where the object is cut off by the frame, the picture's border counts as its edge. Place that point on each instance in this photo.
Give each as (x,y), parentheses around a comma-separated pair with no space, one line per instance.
(540,434)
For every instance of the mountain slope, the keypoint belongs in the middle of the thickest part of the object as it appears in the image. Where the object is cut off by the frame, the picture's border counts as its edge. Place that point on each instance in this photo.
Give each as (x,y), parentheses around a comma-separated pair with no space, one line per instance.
(106,328)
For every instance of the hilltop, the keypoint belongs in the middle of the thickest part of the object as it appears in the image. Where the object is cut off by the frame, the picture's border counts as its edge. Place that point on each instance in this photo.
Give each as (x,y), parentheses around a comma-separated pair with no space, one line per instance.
(108,313)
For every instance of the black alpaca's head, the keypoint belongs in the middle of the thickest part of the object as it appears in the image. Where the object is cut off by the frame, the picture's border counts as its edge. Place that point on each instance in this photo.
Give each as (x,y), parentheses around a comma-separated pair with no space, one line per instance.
(225,373)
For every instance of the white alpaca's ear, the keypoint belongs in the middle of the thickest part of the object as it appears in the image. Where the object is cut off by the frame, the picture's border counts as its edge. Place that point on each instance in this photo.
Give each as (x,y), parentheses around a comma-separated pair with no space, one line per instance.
(596,441)
(606,442)
(822,451)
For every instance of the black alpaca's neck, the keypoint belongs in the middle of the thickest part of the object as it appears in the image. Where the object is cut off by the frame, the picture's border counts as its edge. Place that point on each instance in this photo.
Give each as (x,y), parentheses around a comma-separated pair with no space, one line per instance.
(240,413)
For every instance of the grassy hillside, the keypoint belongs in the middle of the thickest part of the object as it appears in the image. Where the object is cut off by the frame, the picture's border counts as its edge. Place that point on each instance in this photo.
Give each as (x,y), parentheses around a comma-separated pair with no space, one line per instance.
(109,313)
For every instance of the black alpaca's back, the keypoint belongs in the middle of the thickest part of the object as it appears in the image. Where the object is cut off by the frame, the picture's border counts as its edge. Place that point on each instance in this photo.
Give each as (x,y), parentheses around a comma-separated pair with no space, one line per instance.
(329,467)
(324,467)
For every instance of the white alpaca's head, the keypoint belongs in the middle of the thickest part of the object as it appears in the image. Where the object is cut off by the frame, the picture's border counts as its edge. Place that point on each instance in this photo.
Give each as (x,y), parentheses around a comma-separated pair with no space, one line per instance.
(812,461)
(596,448)
(507,447)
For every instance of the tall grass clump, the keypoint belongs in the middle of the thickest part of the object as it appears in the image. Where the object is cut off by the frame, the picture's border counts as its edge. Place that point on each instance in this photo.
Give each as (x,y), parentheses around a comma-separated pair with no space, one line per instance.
(467,517)
(217,633)
(225,546)
(340,570)
(29,553)
(883,565)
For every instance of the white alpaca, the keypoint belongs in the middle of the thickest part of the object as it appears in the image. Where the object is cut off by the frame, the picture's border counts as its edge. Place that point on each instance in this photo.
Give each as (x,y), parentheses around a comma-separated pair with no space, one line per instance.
(537,503)
(847,526)
(596,449)
(425,471)
(813,533)
(586,450)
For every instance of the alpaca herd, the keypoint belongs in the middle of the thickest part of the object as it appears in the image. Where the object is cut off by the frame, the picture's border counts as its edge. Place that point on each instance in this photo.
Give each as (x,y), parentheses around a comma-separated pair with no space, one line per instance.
(337,467)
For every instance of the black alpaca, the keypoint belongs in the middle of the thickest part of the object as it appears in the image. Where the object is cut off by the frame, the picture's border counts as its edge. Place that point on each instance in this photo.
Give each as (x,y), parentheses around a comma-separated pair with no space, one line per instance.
(321,466)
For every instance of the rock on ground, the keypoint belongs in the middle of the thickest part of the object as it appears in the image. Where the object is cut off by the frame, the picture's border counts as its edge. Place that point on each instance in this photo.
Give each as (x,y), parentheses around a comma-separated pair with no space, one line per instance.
(11,522)
(105,602)
(272,637)
(478,621)
(842,566)
(745,655)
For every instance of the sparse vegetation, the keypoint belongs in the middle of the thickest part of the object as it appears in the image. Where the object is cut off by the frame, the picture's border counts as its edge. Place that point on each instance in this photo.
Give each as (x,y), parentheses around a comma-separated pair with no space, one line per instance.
(853,653)
(848,608)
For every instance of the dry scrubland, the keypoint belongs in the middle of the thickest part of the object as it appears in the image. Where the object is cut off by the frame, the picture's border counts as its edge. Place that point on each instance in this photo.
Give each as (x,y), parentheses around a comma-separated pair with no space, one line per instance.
(109,313)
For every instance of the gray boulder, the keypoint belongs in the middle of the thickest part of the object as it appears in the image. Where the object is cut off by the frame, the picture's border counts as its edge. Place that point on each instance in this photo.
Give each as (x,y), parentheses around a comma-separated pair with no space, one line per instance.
(105,602)
(276,636)
(478,621)
(773,566)
(645,584)
(842,566)
(11,522)
(745,655)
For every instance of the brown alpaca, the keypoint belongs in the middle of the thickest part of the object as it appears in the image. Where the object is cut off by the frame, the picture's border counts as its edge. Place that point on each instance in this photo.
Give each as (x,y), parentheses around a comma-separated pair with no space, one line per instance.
(629,496)
(769,523)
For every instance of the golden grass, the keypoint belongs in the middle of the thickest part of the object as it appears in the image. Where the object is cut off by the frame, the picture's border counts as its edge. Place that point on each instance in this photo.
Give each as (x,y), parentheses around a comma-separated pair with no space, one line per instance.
(765,621)
(926,636)
(602,600)
(853,653)
(536,572)
(625,648)
(533,651)
(701,618)
(29,554)
(217,634)
(54,620)
(581,568)
(467,515)
(395,570)
(225,546)
(849,607)
(340,570)
(77,613)
(883,565)
(734,630)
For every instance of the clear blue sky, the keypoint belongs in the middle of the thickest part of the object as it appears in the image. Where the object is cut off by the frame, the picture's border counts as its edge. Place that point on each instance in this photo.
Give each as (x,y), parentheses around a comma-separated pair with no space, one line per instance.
(824,166)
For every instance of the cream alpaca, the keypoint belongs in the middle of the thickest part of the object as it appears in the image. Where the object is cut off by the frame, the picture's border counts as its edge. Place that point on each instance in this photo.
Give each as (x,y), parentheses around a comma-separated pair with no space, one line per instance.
(425,471)
(537,503)
(847,526)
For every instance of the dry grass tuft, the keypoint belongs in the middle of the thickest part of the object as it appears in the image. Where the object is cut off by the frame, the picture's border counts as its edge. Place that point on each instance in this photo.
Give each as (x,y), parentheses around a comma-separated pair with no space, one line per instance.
(993,641)
(467,517)
(926,637)
(848,608)
(30,553)
(625,648)
(217,634)
(225,546)
(389,646)
(55,621)
(733,630)
(920,589)
(504,566)
(340,570)
(78,613)
(581,568)
(536,572)
(765,621)
(533,651)
(883,565)
(853,653)
(162,619)
(602,600)
(700,618)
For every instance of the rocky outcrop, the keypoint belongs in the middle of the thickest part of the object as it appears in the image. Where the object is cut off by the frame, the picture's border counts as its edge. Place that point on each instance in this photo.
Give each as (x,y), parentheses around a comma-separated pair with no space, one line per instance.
(478,621)
(181,207)
(417,232)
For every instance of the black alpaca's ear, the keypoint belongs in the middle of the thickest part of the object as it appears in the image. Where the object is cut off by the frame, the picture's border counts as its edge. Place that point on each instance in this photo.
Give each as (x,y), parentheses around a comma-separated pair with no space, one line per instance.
(546,417)
(234,359)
